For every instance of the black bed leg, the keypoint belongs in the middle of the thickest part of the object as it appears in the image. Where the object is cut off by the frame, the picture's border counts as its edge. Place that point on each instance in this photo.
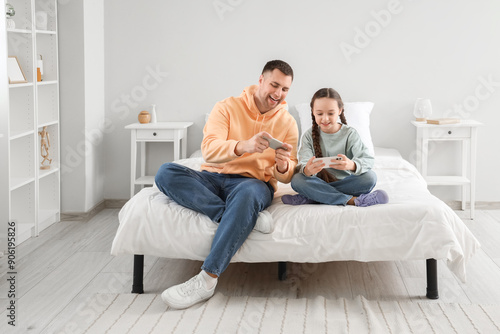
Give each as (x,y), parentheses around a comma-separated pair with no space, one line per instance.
(432,279)
(137,285)
(282,271)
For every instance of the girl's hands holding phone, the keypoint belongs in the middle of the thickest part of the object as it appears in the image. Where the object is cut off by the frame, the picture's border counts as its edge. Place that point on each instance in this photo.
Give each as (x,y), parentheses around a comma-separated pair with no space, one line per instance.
(344,163)
(312,167)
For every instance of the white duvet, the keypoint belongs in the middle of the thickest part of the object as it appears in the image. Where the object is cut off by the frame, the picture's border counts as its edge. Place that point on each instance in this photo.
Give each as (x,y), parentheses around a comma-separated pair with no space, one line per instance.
(414,225)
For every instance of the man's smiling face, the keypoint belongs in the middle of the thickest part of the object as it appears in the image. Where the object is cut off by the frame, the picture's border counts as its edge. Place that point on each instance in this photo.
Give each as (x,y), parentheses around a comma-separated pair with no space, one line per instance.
(273,88)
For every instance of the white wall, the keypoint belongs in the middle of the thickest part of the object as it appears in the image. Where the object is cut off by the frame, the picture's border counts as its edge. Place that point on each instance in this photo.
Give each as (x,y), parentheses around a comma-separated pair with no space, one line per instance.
(441,50)
(72,105)
(94,100)
(81,74)
(4,139)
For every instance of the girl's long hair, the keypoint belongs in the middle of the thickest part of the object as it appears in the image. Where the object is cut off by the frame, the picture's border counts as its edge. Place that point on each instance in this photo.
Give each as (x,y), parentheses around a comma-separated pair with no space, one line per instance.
(332,94)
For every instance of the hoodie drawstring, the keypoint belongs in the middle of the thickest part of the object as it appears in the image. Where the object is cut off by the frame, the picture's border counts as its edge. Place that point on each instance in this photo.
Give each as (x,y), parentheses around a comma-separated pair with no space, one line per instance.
(261,123)
(255,124)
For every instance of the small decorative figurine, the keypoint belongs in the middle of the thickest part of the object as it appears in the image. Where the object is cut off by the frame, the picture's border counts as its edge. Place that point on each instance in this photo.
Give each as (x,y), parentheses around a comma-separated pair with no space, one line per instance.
(44,148)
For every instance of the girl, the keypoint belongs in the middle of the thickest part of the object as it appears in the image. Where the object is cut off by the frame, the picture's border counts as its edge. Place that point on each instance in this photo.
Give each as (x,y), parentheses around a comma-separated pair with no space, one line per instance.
(346,181)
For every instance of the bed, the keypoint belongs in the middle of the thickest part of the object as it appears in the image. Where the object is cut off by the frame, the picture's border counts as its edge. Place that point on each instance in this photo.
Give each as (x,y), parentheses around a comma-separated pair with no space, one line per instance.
(414,225)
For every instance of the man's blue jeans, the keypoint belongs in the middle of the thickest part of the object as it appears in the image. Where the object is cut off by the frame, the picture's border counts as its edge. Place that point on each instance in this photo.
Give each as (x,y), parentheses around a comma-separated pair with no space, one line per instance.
(334,193)
(233,201)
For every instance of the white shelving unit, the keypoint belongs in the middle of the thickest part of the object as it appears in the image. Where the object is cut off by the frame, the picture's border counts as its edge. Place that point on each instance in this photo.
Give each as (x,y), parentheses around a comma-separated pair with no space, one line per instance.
(34,193)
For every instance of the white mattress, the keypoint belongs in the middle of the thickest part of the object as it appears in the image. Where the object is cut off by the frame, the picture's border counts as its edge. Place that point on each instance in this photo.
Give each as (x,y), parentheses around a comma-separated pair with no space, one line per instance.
(414,225)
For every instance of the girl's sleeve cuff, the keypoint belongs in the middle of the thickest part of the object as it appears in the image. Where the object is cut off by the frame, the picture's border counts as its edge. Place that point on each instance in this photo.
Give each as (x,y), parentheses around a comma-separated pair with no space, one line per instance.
(301,170)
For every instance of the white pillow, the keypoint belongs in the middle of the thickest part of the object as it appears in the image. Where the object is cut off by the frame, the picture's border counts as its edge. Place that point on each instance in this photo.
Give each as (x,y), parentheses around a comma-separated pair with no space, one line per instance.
(357,115)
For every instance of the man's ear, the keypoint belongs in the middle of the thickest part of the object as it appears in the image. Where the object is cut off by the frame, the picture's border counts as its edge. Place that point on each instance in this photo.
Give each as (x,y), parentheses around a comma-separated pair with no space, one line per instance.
(261,79)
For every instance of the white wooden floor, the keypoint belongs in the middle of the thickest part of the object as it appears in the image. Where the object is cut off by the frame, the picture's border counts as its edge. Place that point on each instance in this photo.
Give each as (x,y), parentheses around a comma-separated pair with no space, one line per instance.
(69,262)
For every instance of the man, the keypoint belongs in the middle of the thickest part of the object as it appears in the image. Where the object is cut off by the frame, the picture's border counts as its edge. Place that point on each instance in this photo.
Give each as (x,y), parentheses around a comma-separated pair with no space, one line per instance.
(240,175)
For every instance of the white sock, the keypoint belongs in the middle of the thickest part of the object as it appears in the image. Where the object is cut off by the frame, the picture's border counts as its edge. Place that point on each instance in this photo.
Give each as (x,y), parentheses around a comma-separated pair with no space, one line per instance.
(209,280)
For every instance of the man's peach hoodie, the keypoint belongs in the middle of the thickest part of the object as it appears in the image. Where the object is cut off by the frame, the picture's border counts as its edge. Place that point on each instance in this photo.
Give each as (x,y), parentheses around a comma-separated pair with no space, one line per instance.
(238,118)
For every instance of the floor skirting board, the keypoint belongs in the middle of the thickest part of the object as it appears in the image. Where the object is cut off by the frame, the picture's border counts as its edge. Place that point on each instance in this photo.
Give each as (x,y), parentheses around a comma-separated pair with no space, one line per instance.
(83,216)
(457,205)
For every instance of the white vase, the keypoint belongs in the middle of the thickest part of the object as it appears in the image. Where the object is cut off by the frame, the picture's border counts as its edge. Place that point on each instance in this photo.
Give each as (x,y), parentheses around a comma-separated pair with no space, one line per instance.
(422,110)
(153,114)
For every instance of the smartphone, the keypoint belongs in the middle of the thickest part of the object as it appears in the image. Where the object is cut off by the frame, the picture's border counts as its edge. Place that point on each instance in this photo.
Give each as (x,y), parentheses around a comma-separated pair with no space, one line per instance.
(328,161)
(275,143)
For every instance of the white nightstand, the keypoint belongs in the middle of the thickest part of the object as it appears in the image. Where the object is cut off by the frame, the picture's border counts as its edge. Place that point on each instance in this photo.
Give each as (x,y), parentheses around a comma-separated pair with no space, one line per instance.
(154,132)
(466,132)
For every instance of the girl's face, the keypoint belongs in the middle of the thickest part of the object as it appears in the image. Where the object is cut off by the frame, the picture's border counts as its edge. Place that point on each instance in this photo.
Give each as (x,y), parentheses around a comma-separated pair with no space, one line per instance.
(326,113)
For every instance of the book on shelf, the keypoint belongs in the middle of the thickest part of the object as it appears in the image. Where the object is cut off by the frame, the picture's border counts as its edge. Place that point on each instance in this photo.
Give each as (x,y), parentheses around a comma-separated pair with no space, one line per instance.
(440,121)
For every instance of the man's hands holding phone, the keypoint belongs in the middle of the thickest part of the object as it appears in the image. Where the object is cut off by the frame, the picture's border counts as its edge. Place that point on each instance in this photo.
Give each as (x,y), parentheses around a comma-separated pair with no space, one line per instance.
(282,153)
(258,143)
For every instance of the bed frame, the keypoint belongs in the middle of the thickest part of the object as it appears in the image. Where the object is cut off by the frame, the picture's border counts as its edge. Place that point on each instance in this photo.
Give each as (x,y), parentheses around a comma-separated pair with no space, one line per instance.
(431,267)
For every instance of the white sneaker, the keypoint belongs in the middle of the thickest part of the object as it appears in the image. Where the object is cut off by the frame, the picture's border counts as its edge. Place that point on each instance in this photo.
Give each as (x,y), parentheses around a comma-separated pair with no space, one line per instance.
(265,223)
(188,293)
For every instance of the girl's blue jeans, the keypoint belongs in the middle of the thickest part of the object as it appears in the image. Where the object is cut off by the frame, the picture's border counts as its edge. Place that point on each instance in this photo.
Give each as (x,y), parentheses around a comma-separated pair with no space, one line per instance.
(233,201)
(334,193)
